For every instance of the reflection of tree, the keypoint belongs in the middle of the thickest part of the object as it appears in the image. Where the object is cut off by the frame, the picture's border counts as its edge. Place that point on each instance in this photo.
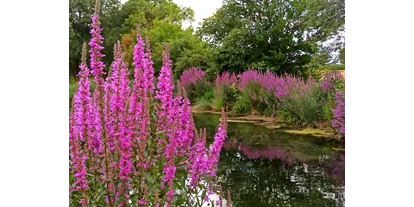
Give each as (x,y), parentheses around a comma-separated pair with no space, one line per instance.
(263,182)
(265,167)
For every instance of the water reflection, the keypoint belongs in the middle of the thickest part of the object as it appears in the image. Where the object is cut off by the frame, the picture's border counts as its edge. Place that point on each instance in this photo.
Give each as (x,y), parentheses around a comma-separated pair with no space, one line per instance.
(264,167)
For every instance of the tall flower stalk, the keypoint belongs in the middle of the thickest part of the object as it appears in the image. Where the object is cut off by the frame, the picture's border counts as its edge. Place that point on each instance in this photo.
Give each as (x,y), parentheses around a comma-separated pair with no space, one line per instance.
(126,147)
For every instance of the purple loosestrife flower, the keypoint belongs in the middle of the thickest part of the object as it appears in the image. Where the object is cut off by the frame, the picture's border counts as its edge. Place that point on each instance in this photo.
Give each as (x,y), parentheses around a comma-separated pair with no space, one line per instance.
(82,104)
(215,149)
(124,136)
(173,134)
(97,65)
(138,132)
(338,121)
(84,114)
(139,64)
(78,158)
(165,93)
(328,82)
(148,68)
(191,76)
(186,128)
(225,79)
(198,159)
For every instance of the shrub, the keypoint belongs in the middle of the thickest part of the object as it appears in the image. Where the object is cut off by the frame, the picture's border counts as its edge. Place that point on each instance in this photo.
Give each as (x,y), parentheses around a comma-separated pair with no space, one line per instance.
(225,93)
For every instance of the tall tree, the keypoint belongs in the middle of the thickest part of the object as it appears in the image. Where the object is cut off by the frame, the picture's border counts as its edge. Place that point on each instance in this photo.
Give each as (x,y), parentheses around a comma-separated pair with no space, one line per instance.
(326,19)
(269,34)
(161,21)
(263,34)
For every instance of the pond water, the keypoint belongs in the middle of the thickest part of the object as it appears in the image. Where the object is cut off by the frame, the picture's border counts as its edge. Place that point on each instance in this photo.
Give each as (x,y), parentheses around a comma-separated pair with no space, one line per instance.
(265,167)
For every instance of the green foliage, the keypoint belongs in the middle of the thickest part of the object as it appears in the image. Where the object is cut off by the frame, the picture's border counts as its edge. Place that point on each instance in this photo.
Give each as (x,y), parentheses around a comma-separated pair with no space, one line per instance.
(305,108)
(333,67)
(326,108)
(217,103)
(225,96)
(202,104)
(189,51)
(243,104)
(342,56)
(201,89)
(162,21)
(280,36)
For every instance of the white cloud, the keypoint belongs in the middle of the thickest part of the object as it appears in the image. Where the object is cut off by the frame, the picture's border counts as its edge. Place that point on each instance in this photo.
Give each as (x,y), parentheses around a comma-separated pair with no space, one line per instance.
(202,9)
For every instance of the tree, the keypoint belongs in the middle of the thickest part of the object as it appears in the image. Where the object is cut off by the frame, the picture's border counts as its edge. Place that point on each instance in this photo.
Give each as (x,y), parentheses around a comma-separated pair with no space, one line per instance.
(261,34)
(74,51)
(270,34)
(342,56)
(161,21)
(326,18)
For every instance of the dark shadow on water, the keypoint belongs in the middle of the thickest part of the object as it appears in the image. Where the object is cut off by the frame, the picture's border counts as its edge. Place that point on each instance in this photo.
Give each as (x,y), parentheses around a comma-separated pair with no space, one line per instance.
(264,167)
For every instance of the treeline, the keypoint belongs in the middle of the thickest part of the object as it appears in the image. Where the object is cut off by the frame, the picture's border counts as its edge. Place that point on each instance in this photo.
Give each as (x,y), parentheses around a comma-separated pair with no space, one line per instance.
(278,35)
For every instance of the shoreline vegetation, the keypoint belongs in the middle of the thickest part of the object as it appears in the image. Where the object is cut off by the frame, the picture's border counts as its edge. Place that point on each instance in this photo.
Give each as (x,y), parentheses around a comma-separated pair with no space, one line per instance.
(275,124)
(292,104)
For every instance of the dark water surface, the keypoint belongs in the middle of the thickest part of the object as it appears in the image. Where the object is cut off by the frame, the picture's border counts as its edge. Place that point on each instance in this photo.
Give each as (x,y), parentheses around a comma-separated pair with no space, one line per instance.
(263,167)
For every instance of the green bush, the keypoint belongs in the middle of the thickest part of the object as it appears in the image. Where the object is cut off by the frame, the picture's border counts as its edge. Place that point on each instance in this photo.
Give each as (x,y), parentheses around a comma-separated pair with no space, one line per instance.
(225,96)
(260,98)
(333,67)
(303,109)
(200,89)
(202,104)
(243,104)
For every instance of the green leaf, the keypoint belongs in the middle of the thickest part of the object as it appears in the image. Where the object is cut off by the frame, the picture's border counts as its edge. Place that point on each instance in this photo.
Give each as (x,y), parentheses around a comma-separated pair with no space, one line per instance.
(159,132)
(203,195)
(146,176)
(70,178)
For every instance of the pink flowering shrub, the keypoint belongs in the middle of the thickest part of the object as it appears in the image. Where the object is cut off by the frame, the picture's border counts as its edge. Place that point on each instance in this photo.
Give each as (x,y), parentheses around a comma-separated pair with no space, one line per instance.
(191,76)
(225,93)
(136,146)
(289,97)
(338,121)
(193,81)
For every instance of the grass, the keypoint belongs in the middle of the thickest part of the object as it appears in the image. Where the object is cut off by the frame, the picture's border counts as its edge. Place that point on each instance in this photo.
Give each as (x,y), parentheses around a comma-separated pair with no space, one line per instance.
(202,105)
(310,131)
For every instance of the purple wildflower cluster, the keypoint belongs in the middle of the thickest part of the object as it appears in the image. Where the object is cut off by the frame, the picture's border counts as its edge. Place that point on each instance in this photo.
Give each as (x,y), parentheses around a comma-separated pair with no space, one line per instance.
(280,86)
(288,94)
(338,121)
(225,79)
(328,82)
(191,76)
(115,145)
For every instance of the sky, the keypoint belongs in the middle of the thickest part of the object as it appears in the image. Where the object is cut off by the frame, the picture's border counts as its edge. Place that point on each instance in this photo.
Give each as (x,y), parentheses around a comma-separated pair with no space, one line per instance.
(202,9)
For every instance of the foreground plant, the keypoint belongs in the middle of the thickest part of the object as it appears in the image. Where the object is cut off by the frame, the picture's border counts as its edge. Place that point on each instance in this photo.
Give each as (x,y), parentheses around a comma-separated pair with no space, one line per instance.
(136,146)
